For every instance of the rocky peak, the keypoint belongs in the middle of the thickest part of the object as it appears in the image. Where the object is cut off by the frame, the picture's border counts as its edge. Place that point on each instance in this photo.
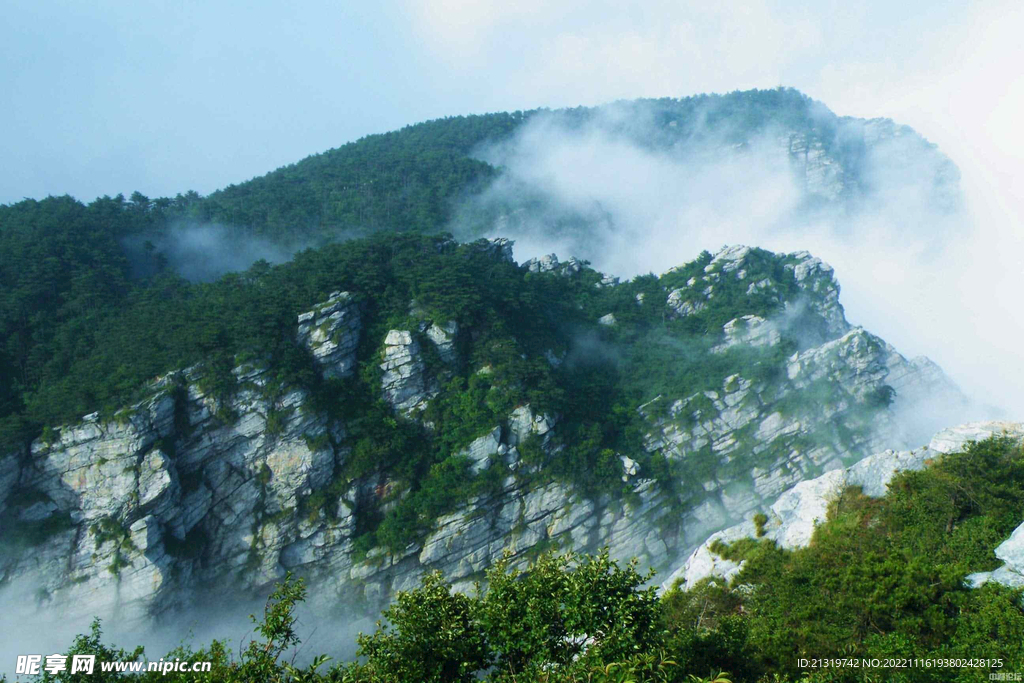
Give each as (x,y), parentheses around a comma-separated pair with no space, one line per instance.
(816,279)
(728,259)
(551,264)
(498,247)
(816,290)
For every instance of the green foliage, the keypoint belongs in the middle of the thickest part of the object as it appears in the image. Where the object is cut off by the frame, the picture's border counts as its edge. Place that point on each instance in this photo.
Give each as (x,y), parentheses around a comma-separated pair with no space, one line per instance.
(431,636)
(882,577)
(259,660)
(276,419)
(92,644)
(445,485)
(760,519)
(565,607)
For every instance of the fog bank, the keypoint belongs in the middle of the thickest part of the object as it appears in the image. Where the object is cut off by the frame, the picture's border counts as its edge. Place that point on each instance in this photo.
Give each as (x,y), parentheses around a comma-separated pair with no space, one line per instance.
(914,255)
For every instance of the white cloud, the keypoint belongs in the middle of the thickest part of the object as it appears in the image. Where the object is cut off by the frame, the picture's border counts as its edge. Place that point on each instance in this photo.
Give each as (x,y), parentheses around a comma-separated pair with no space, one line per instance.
(597,50)
(950,71)
(911,272)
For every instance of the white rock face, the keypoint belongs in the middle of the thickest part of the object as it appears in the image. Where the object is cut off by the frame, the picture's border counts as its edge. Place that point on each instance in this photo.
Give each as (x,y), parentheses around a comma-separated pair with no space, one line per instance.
(483,450)
(681,307)
(749,330)
(405,383)
(500,248)
(816,278)
(443,339)
(551,264)
(900,150)
(331,331)
(728,259)
(1011,552)
(955,438)
(765,442)
(630,468)
(821,174)
(229,502)
(703,563)
(523,423)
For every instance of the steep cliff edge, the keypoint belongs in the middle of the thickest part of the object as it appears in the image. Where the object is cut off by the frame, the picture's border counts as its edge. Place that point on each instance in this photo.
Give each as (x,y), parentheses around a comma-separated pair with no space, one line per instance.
(754,382)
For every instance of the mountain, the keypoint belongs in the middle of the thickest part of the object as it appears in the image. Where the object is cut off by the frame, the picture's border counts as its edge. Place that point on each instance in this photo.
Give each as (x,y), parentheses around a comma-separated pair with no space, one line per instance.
(77,280)
(481,407)
(384,400)
(415,178)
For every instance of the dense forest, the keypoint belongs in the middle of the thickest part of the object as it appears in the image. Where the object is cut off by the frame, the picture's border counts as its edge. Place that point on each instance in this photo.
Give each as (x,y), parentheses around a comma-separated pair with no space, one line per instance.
(882,579)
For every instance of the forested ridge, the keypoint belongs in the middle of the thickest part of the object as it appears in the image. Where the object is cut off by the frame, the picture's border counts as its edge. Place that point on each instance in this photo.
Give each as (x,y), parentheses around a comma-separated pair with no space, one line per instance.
(75,284)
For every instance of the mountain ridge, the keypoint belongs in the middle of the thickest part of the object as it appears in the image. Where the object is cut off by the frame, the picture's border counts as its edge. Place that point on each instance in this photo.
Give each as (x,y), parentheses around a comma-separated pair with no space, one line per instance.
(196,486)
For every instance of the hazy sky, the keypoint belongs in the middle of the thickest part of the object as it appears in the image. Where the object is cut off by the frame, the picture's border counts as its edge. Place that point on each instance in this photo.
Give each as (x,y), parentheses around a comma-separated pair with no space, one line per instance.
(112,96)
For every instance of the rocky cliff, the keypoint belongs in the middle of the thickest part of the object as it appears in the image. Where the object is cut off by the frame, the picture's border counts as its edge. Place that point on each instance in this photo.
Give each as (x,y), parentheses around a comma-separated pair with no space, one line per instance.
(192,489)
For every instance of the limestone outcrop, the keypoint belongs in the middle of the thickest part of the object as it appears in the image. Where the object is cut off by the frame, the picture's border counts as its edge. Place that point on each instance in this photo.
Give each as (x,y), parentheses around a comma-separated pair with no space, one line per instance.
(172,494)
(551,264)
(405,384)
(1011,552)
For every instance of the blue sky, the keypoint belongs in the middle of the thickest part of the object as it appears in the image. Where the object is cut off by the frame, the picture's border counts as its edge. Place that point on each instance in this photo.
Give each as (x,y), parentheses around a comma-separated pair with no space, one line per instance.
(160,96)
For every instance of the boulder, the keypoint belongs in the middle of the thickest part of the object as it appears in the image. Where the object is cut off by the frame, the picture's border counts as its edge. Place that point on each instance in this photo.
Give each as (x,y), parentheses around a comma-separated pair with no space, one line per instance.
(1011,552)
(482,450)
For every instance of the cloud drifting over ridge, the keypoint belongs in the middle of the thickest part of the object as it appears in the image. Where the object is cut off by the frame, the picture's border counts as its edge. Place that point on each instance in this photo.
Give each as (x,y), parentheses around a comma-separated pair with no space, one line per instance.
(902,251)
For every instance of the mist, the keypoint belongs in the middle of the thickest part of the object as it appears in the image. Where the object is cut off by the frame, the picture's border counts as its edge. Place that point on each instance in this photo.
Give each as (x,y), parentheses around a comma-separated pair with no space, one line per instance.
(905,246)
(31,628)
(203,252)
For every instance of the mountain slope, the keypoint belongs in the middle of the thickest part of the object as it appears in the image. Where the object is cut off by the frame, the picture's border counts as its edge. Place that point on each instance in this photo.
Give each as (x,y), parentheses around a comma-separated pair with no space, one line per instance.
(415,178)
(415,404)
(69,272)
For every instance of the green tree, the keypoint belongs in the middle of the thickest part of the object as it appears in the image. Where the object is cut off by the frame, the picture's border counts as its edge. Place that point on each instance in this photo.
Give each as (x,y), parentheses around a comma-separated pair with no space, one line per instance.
(430,636)
(563,608)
